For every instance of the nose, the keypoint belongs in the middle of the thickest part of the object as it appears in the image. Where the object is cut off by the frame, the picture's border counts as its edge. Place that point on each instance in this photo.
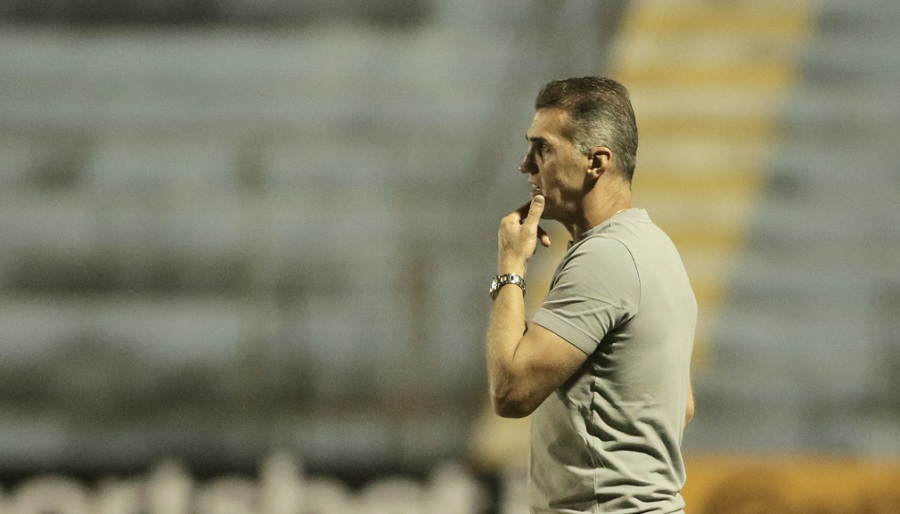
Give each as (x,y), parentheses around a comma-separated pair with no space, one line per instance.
(528,165)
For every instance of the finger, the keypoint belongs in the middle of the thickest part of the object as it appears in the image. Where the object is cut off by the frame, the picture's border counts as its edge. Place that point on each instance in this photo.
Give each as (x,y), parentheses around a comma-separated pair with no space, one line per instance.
(535,211)
(544,237)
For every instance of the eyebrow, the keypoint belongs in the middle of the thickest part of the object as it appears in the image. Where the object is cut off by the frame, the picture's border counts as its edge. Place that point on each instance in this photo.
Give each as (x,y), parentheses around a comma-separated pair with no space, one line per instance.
(538,140)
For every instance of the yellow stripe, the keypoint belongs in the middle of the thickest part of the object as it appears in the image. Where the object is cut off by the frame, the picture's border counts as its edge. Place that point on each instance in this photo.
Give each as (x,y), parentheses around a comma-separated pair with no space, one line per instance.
(746,129)
(757,75)
(771,22)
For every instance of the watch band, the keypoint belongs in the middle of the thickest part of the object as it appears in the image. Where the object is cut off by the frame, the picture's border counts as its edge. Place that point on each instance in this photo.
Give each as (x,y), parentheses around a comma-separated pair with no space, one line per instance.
(505,279)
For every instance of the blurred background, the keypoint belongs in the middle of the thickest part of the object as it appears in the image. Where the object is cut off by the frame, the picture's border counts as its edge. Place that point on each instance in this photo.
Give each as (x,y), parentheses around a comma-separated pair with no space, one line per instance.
(250,235)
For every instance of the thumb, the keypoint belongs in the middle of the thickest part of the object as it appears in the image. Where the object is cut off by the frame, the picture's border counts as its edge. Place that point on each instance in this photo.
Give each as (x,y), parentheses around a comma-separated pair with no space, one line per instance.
(535,210)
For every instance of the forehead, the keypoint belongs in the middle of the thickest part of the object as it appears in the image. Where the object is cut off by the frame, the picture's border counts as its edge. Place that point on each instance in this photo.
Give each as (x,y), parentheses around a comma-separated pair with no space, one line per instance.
(548,124)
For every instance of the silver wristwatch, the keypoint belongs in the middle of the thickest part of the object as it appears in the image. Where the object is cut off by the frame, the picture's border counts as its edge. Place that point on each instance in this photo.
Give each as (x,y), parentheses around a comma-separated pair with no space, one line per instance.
(504,279)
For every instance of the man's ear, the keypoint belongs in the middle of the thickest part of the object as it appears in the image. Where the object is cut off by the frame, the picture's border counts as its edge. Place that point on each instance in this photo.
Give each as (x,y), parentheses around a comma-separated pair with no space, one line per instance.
(600,161)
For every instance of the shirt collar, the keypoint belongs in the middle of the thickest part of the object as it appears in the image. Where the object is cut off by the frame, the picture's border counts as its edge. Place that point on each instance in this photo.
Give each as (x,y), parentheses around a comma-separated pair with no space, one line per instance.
(632,214)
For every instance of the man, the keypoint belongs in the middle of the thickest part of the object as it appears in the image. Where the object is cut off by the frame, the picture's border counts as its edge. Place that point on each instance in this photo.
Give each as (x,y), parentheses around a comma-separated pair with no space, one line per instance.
(604,365)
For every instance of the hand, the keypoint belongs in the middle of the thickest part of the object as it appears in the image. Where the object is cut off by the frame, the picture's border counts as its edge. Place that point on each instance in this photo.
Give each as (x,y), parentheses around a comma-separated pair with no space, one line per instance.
(518,236)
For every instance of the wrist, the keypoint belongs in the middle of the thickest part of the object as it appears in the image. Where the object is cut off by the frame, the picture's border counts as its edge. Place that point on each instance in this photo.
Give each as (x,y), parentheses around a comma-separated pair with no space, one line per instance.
(504,280)
(513,266)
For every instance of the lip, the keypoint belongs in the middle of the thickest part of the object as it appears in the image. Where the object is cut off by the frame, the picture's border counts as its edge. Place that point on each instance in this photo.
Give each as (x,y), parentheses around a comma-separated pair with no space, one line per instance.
(535,189)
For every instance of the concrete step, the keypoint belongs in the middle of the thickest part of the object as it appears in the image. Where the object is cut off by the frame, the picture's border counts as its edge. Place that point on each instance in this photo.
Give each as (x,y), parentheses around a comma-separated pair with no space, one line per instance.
(857,20)
(195,240)
(185,79)
(823,352)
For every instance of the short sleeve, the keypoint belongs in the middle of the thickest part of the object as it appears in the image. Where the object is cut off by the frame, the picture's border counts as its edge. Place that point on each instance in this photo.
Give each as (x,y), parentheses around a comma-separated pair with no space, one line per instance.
(596,288)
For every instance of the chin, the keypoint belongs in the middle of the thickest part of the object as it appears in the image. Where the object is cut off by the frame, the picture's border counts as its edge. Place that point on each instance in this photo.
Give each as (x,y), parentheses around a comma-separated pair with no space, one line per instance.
(548,214)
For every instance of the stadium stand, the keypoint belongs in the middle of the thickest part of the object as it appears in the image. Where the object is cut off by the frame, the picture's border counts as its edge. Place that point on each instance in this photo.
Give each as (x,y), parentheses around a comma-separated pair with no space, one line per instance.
(220,241)
(233,240)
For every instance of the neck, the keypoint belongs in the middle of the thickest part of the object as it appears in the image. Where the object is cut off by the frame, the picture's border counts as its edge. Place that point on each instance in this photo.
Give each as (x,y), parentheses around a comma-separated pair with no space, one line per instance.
(606,199)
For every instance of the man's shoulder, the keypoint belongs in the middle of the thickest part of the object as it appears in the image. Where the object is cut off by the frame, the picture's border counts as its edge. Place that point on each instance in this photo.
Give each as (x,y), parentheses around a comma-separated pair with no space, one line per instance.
(601,259)
(605,247)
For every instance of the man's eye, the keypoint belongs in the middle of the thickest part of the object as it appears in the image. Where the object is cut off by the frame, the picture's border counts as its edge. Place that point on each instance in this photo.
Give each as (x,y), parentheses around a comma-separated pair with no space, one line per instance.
(545,148)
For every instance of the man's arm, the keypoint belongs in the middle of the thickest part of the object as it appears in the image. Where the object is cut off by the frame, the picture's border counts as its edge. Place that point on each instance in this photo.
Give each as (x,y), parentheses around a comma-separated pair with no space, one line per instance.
(524,370)
(525,363)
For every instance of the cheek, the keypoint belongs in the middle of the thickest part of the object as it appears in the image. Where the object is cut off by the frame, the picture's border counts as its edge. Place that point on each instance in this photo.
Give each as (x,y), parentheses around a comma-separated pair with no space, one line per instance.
(548,176)
(547,183)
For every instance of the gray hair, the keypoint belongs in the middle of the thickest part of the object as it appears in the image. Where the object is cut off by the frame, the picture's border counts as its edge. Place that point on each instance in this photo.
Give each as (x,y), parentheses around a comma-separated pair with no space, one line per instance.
(600,114)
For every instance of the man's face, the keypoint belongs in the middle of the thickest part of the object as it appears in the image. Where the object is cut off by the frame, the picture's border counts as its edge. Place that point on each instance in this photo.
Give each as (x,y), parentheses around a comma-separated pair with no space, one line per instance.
(555,167)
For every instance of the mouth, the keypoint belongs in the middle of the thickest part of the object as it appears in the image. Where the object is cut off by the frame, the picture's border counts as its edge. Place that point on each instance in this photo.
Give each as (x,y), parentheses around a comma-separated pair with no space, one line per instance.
(536,190)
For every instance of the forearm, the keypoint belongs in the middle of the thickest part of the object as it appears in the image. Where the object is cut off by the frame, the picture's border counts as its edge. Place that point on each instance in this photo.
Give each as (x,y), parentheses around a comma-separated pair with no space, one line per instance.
(505,331)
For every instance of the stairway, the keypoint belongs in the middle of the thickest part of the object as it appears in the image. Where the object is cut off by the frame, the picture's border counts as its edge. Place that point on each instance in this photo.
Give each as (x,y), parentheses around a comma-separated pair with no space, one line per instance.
(708,81)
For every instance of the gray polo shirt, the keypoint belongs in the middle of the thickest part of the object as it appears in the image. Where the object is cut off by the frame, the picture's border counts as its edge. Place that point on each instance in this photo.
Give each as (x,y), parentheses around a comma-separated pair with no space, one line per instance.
(609,439)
